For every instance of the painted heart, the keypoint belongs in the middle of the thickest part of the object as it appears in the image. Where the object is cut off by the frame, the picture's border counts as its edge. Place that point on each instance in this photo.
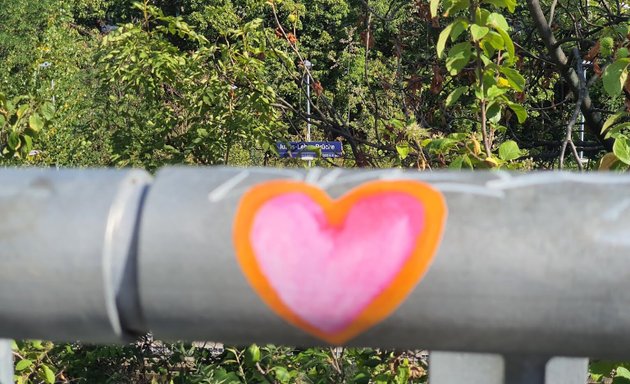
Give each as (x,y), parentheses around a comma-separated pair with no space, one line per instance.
(335,268)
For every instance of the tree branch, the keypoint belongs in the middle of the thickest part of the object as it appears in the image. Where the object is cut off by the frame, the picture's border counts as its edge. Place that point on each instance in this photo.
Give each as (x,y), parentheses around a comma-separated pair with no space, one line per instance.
(592,118)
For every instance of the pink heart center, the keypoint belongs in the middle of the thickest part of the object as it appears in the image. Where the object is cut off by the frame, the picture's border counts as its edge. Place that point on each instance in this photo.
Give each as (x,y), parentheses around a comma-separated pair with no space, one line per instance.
(327,275)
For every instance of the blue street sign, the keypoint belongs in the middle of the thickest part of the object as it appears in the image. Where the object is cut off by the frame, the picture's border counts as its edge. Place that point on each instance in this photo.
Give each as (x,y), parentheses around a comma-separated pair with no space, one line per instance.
(306,150)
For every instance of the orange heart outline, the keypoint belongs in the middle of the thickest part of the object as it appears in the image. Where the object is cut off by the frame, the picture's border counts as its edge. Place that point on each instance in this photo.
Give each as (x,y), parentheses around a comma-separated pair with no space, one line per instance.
(386,302)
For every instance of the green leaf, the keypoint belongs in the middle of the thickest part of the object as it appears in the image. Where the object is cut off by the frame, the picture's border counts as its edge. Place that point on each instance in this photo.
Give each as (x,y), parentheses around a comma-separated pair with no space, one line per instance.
(600,368)
(493,113)
(434,7)
(494,92)
(221,376)
(282,374)
(49,375)
(459,26)
(27,145)
(621,149)
(509,4)
(47,110)
(23,364)
(495,40)
(519,110)
(37,344)
(35,122)
(622,372)
(509,150)
(458,57)
(21,110)
(442,39)
(14,141)
(361,378)
(478,32)
(252,354)
(611,120)
(403,151)
(440,145)
(514,78)
(509,44)
(455,95)
(606,46)
(617,129)
(615,76)
(458,163)
(497,20)
(456,6)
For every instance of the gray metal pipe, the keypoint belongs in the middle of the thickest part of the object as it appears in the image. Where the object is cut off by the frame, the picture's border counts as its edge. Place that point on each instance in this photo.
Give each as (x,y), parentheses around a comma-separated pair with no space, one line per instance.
(531,264)
(67,253)
(528,264)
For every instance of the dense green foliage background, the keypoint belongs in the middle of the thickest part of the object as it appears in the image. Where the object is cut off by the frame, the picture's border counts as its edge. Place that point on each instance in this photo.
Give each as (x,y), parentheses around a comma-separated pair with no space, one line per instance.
(465,84)
(122,83)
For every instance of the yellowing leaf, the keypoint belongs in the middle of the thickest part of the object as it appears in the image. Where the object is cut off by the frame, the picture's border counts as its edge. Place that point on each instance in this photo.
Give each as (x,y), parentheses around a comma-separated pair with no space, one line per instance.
(608,161)
(621,149)
(491,162)
(502,82)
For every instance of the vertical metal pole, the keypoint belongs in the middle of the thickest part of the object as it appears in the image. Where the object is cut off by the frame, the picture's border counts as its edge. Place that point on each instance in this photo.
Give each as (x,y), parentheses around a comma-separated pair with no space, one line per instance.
(308,107)
(525,370)
(6,362)
(308,65)
(582,121)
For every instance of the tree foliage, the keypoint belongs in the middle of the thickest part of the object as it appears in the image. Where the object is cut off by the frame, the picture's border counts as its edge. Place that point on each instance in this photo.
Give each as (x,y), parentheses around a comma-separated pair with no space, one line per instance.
(424,84)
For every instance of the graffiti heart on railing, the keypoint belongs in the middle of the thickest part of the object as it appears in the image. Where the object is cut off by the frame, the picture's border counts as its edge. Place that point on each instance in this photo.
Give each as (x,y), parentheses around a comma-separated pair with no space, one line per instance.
(335,268)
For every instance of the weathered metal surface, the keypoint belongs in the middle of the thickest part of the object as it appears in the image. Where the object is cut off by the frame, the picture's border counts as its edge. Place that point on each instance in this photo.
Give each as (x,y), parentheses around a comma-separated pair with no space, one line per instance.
(529,264)
(67,253)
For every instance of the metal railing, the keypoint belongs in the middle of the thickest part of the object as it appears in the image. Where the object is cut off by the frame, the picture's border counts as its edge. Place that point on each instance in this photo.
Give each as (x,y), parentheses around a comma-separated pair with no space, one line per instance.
(529,266)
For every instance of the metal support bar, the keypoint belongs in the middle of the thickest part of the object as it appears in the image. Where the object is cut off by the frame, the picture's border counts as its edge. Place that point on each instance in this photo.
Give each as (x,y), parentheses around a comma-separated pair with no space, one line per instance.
(518,272)
(6,362)
(566,370)
(456,368)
